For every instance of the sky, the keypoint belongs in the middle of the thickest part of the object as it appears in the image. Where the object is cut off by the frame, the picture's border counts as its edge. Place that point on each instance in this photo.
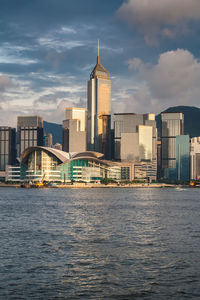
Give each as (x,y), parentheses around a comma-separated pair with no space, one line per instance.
(48,49)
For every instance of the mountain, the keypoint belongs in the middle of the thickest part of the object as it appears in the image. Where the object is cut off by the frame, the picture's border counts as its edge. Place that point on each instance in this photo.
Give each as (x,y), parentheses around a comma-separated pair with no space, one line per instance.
(55,129)
(191,119)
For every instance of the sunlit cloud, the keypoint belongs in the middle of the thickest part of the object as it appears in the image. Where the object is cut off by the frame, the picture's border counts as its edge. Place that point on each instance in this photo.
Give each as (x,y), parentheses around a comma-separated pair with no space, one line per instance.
(163,18)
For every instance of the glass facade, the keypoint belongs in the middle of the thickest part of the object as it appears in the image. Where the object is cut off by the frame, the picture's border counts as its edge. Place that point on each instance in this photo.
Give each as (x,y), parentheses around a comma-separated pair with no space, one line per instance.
(99,93)
(145,171)
(7,147)
(39,163)
(183,157)
(135,136)
(58,166)
(145,142)
(195,158)
(30,132)
(172,125)
(82,170)
(30,137)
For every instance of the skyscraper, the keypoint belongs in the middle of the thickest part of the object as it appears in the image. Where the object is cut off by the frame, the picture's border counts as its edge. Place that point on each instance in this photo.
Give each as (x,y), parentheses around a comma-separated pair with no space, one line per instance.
(195,158)
(183,157)
(30,132)
(135,136)
(74,130)
(7,147)
(172,125)
(99,93)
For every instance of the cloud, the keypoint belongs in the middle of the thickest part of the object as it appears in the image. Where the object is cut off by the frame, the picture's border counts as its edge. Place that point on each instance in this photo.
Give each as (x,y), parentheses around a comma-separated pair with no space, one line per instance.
(5,82)
(134,63)
(58,44)
(176,76)
(68,30)
(13,54)
(174,80)
(58,114)
(159,18)
(23,95)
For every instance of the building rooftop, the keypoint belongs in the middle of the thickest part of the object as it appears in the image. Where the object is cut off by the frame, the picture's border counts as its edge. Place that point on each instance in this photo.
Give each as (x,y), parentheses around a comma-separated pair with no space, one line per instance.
(99,71)
(61,155)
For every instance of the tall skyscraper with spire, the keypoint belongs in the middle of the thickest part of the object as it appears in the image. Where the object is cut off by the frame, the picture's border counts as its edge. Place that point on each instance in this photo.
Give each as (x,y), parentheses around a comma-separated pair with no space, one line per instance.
(99,119)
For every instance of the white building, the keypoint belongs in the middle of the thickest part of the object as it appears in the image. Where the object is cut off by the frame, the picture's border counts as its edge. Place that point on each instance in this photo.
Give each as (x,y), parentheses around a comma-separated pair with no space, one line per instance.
(195,158)
(74,130)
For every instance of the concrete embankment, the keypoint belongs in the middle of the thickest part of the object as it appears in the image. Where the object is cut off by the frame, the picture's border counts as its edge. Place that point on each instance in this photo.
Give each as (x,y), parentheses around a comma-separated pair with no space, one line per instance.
(142,185)
(9,185)
(96,185)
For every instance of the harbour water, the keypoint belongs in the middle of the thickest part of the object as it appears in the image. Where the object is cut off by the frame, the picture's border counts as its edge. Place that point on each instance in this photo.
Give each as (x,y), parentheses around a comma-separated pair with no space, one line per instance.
(99,243)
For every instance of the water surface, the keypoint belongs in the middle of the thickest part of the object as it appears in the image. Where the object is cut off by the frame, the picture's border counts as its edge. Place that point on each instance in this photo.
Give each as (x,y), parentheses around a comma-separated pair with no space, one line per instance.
(99,243)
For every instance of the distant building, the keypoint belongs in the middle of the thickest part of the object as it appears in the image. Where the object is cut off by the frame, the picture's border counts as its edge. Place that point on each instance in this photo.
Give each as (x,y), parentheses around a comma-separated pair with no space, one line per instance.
(48,140)
(57,146)
(183,157)
(7,147)
(30,132)
(146,171)
(99,94)
(74,130)
(135,137)
(195,158)
(172,125)
(159,159)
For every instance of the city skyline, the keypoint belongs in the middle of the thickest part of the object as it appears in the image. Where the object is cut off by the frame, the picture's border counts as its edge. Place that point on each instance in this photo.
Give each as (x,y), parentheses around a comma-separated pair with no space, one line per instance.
(151,52)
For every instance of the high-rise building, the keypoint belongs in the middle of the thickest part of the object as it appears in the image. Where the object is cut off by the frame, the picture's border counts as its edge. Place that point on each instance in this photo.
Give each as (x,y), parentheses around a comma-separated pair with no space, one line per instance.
(159,167)
(135,136)
(99,94)
(183,157)
(30,132)
(195,158)
(172,125)
(7,147)
(74,130)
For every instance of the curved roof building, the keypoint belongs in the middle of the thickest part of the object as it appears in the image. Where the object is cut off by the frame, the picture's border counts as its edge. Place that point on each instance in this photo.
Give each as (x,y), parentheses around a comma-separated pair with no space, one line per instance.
(57,165)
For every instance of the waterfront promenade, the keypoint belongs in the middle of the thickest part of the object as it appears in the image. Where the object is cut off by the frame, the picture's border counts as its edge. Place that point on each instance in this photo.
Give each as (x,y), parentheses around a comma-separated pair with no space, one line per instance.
(97,185)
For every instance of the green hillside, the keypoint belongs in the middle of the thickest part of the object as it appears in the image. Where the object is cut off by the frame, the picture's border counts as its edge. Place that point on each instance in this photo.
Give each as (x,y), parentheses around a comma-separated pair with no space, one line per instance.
(55,129)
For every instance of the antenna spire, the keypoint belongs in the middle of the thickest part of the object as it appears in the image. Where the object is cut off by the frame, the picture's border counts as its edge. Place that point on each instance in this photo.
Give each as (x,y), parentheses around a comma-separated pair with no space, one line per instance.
(98,57)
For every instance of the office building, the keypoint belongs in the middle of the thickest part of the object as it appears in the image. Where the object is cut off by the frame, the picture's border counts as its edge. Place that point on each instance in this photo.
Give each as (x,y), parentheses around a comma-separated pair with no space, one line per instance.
(172,125)
(135,137)
(99,94)
(74,130)
(80,114)
(48,140)
(145,171)
(183,157)
(159,159)
(7,147)
(30,132)
(195,158)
